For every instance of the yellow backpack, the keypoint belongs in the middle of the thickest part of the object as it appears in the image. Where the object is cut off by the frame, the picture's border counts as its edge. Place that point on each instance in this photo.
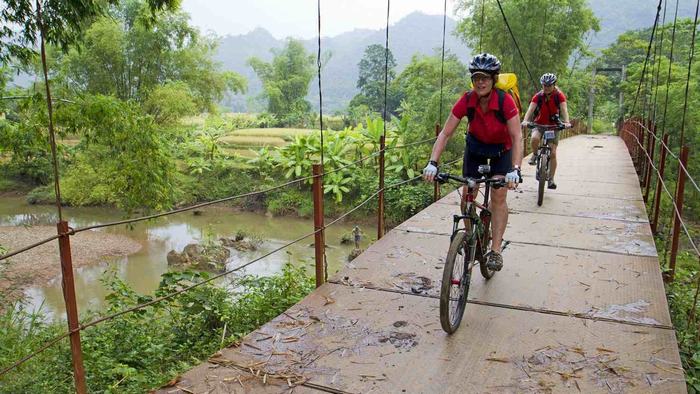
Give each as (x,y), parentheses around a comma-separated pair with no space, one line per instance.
(507,83)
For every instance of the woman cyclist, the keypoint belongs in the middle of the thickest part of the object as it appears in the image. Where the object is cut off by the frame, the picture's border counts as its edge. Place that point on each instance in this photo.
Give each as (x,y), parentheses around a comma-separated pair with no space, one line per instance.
(494,138)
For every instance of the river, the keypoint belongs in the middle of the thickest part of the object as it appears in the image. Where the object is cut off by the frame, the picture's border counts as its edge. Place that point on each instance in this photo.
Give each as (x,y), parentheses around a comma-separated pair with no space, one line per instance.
(142,270)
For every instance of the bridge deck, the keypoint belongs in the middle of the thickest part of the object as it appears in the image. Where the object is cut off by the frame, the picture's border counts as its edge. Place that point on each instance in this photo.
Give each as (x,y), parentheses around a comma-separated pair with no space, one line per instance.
(579,305)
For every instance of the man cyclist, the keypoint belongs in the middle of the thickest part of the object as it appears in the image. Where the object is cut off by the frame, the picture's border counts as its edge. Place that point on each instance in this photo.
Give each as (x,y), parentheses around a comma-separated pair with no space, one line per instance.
(494,134)
(544,106)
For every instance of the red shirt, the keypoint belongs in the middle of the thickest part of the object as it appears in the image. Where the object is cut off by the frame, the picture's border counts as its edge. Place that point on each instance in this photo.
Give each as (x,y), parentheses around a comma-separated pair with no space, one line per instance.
(485,126)
(549,106)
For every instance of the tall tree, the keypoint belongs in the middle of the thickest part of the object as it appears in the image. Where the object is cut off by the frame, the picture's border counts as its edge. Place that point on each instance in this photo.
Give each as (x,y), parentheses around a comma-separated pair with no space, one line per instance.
(63,20)
(286,82)
(370,81)
(548,32)
(131,52)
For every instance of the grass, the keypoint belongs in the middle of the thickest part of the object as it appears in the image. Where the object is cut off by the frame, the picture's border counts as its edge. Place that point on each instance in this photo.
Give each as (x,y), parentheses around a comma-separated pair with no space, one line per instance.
(250,141)
(233,152)
(273,132)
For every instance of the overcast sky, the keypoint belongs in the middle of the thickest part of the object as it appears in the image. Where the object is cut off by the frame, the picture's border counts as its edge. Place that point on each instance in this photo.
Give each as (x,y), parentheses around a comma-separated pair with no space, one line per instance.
(298,18)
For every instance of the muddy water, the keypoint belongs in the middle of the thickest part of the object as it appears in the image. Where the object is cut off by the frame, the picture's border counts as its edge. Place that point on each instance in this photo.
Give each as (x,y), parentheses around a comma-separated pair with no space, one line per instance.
(142,270)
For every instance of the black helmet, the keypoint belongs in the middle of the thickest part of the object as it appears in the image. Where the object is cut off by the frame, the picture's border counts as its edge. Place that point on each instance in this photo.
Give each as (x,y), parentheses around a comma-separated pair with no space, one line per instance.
(485,63)
(548,79)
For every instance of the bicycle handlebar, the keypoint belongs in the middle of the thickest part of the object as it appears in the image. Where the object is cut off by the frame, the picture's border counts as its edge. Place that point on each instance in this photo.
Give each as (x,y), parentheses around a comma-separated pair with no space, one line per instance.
(558,127)
(443,177)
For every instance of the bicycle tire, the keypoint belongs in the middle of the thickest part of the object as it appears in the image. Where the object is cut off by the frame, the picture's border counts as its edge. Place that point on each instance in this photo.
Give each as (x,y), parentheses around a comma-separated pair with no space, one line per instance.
(542,177)
(484,246)
(451,313)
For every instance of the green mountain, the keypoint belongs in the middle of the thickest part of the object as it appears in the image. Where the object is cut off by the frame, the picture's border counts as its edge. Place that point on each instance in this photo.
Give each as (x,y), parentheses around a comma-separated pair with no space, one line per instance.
(416,33)
(619,16)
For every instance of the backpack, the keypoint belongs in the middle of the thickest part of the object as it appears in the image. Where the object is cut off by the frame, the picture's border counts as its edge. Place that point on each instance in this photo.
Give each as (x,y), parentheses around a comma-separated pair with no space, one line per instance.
(507,84)
(540,102)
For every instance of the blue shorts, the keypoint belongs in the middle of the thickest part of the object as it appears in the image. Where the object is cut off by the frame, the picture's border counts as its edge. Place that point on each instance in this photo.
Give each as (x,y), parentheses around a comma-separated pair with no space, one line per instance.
(499,165)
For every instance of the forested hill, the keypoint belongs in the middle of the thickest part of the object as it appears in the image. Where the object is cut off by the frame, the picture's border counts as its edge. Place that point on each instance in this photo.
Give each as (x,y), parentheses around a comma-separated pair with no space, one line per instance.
(619,16)
(416,33)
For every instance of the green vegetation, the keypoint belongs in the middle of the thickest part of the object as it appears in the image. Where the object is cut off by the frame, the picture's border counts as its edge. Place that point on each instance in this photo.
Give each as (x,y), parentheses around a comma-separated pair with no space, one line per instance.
(163,340)
(286,81)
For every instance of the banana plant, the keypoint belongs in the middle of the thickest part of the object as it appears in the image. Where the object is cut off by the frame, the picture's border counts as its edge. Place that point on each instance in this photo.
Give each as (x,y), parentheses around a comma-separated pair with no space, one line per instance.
(336,184)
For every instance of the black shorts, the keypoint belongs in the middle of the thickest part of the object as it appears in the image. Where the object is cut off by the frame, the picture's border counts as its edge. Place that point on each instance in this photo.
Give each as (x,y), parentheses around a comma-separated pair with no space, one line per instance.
(499,165)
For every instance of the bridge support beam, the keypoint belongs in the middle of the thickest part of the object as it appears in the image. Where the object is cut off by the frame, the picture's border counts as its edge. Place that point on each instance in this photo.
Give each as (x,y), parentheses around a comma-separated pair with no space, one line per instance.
(319,236)
(659,181)
(678,212)
(68,286)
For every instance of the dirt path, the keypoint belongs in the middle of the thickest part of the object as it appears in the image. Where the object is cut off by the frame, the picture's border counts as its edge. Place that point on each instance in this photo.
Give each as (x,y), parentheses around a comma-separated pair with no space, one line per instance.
(41,264)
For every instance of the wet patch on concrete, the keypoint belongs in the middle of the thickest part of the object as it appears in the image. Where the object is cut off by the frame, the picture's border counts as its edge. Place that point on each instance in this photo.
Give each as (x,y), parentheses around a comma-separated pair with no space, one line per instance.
(634,312)
(410,281)
(546,369)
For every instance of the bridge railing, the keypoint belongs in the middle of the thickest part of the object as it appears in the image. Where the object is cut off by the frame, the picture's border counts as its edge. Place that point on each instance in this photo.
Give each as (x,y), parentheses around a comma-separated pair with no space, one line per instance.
(643,143)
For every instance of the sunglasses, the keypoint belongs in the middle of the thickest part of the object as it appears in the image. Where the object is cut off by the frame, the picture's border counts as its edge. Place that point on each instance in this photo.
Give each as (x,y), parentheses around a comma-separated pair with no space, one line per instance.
(480,78)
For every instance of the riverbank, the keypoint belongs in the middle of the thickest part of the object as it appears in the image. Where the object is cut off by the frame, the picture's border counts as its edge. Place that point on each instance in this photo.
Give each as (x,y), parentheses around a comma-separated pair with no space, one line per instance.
(38,266)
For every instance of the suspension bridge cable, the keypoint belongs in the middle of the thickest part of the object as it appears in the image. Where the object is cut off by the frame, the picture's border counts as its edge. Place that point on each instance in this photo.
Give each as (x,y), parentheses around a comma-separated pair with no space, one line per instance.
(320,92)
(49,106)
(670,153)
(534,83)
(442,61)
(646,59)
(386,63)
(481,26)
(660,47)
(687,80)
(670,63)
(675,209)
(663,124)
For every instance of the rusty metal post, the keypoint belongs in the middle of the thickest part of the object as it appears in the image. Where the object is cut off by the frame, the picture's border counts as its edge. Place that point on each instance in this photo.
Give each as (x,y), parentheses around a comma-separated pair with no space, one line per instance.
(644,160)
(651,160)
(436,186)
(657,193)
(679,213)
(319,238)
(71,306)
(380,207)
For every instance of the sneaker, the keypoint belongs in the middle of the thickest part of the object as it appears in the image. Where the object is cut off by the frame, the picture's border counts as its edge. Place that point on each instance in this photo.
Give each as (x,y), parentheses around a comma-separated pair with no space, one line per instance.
(533,160)
(494,261)
(551,185)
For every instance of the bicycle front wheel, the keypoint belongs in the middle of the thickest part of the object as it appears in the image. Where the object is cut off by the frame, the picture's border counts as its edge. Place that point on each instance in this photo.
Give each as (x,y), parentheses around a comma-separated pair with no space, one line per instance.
(455,282)
(484,245)
(543,163)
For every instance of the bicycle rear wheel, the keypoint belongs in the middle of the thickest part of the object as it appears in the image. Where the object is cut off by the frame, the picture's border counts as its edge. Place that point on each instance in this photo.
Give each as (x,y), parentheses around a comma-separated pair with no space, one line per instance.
(455,282)
(542,165)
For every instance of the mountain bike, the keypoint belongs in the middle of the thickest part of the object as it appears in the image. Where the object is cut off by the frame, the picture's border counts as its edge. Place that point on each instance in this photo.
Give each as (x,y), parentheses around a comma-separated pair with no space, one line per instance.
(469,245)
(543,154)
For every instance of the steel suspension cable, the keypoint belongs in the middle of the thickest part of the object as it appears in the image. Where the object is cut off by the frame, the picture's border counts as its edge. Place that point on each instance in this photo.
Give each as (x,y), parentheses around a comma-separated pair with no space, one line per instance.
(687,80)
(663,124)
(670,63)
(481,26)
(49,106)
(660,47)
(670,153)
(386,63)
(646,59)
(675,209)
(442,61)
(320,92)
(534,83)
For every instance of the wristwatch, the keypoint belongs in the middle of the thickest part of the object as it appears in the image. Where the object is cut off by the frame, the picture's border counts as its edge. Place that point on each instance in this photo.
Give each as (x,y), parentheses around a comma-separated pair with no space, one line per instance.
(433,162)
